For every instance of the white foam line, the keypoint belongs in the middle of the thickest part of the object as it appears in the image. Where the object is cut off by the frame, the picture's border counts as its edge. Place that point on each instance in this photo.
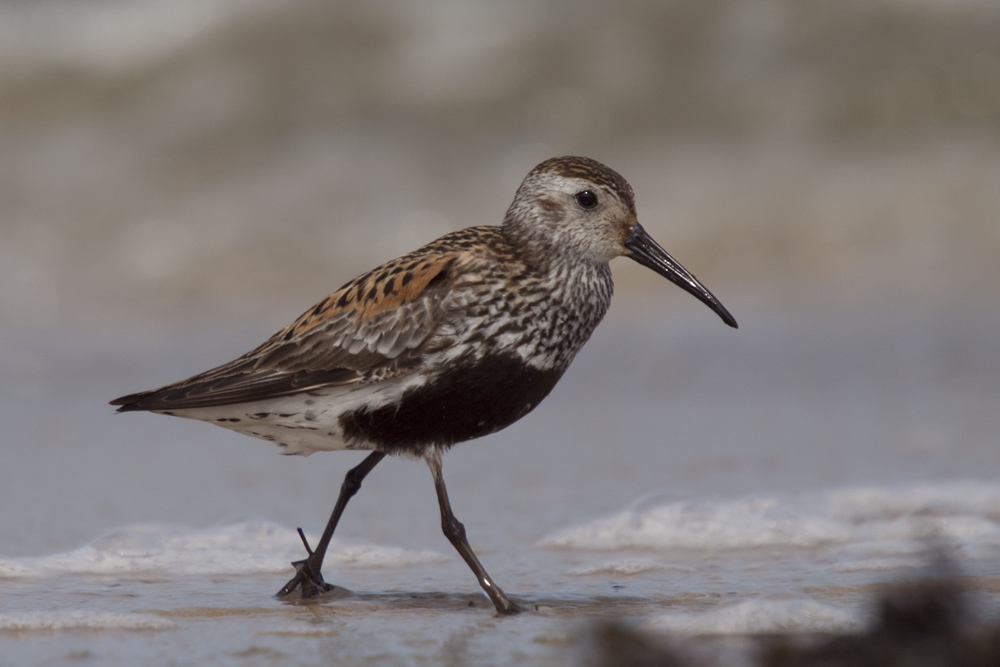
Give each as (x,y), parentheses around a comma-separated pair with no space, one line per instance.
(781,612)
(89,620)
(863,525)
(236,548)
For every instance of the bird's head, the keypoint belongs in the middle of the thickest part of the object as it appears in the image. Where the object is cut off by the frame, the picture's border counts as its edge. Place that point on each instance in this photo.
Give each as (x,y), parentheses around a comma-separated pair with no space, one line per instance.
(577,209)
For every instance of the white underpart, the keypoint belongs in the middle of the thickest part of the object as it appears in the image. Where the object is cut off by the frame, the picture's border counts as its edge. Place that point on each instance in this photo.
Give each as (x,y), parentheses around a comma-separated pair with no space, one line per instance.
(305,423)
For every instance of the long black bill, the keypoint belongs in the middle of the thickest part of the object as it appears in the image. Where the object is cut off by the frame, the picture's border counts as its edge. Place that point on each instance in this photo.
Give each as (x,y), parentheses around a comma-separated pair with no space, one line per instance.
(643,249)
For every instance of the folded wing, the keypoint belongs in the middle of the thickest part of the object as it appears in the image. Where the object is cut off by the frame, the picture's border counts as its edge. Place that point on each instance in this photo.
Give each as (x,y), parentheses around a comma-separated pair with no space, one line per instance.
(374,328)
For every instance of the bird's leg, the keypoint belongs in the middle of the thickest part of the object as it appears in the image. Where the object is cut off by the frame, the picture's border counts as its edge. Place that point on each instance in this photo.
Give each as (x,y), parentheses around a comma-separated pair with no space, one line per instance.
(307,572)
(455,532)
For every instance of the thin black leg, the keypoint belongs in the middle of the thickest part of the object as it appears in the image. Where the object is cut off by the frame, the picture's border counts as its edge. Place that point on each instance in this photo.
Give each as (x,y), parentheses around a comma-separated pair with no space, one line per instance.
(455,532)
(307,572)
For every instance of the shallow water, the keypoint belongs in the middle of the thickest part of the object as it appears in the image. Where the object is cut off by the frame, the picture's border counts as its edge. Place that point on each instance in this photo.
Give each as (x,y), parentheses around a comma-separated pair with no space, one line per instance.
(682,476)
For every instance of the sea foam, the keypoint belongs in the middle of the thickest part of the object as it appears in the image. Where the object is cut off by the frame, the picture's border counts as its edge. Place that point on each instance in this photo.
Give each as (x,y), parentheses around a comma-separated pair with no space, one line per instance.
(772,613)
(235,548)
(871,527)
(81,620)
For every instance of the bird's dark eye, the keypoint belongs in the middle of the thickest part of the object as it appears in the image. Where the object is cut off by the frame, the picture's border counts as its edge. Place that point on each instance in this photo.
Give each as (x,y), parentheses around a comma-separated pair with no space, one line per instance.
(586,199)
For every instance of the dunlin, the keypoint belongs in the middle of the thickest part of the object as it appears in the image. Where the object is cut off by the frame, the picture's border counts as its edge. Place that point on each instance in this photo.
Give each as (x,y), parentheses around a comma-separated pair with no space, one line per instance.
(455,340)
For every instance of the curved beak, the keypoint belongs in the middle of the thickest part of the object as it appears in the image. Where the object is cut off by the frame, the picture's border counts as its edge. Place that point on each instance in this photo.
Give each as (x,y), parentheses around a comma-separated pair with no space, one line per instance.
(643,249)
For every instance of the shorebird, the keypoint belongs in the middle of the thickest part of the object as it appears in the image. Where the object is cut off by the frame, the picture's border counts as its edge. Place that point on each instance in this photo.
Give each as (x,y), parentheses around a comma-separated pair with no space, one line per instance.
(453,341)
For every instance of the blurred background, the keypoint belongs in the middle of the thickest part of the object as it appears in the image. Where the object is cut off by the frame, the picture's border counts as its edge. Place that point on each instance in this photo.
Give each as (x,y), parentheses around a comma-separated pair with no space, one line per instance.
(215,158)
(180,179)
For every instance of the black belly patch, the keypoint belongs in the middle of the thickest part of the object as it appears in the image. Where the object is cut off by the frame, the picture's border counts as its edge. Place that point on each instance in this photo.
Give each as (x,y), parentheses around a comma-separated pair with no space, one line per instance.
(462,404)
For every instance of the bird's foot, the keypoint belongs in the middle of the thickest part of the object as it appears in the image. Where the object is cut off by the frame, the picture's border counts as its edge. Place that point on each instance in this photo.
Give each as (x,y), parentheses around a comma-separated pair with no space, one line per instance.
(505,606)
(308,579)
(508,609)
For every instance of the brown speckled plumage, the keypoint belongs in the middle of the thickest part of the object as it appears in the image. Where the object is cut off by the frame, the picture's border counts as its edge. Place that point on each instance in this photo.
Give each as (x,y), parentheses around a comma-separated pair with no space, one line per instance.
(455,340)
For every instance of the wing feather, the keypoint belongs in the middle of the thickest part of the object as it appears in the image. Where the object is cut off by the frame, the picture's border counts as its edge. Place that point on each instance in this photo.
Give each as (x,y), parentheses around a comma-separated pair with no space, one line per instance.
(370,329)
